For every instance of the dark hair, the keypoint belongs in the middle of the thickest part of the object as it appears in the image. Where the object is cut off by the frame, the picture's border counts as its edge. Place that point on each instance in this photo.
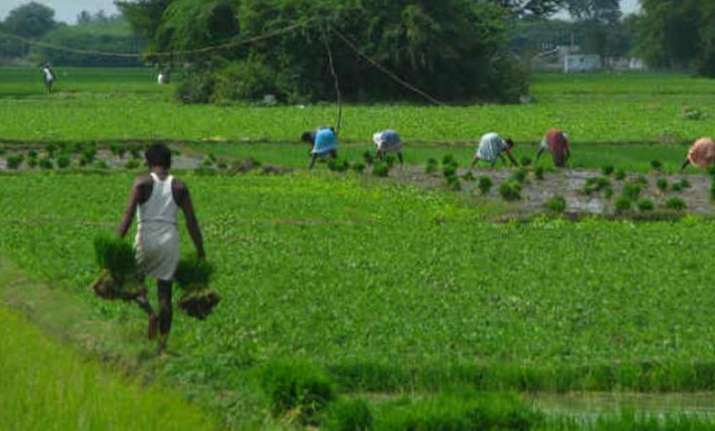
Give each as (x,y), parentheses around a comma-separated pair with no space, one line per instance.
(158,155)
(509,142)
(307,137)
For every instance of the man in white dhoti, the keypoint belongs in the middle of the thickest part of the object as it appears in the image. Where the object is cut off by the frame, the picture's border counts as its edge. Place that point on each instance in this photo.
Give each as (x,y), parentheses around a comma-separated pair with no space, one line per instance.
(156,198)
(49,77)
(388,141)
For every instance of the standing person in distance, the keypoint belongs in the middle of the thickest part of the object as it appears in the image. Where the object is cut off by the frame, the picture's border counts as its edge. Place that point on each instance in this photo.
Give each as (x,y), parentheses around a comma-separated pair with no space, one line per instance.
(155,199)
(49,77)
(493,147)
(323,143)
(388,141)
(557,143)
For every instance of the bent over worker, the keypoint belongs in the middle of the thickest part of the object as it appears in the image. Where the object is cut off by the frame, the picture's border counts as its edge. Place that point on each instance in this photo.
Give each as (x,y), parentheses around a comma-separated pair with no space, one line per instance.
(156,199)
(323,142)
(557,143)
(701,154)
(493,147)
(388,141)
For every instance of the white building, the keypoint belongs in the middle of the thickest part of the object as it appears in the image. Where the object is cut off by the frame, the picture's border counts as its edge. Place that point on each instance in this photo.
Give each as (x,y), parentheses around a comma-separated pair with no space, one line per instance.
(582,63)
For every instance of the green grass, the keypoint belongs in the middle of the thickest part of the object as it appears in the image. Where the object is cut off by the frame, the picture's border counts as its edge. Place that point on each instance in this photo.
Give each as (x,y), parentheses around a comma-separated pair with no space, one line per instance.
(70,392)
(306,266)
(127,104)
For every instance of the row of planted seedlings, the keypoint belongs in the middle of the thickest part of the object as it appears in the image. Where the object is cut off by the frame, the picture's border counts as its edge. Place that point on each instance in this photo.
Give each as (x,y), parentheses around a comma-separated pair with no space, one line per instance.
(632,190)
(65,156)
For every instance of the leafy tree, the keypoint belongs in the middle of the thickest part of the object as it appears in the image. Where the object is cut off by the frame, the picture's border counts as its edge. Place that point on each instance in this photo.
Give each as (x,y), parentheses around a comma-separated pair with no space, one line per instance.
(674,33)
(597,11)
(533,8)
(31,20)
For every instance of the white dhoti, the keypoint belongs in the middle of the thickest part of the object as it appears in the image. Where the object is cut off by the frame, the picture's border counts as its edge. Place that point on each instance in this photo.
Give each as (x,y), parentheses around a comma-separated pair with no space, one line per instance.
(157,250)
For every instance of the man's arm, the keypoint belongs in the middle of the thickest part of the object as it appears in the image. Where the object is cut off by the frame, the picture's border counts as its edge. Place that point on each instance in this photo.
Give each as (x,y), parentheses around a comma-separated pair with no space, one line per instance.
(539,153)
(192,223)
(134,197)
(313,158)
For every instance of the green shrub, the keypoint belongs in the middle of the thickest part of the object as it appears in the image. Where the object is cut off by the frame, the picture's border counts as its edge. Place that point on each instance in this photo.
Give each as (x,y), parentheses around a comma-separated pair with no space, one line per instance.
(645,205)
(556,204)
(196,87)
(46,163)
(623,203)
(676,204)
(449,170)
(63,162)
(193,273)
(380,169)
(539,173)
(510,190)
(620,175)
(390,161)
(340,166)
(662,184)
(632,191)
(597,184)
(485,184)
(520,175)
(454,183)
(132,164)
(449,160)
(243,80)
(607,170)
(432,166)
(14,162)
(297,387)
(348,415)
(116,256)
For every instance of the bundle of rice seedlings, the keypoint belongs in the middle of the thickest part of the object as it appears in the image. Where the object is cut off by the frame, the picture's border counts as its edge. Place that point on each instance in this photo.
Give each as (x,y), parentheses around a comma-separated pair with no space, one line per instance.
(556,204)
(432,166)
(118,278)
(193,276)
(485,184)
(539,173)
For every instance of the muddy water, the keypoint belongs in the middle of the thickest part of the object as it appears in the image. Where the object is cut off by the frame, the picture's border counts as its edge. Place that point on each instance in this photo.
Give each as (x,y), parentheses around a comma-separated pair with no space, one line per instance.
(589,406)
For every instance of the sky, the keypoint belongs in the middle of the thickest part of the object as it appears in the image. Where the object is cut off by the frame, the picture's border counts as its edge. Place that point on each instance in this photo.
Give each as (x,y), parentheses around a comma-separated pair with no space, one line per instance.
(67,10)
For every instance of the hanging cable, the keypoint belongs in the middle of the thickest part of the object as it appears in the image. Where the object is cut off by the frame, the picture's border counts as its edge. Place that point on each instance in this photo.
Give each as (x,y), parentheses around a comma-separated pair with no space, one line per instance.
(386,71)
(335,79)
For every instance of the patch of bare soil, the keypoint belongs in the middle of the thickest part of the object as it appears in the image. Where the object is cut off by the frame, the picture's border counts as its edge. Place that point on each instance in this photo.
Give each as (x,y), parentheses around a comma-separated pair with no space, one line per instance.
(570,185)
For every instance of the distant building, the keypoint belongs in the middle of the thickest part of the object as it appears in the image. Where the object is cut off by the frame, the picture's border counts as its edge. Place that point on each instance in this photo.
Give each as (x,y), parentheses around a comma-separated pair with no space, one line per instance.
(574,63)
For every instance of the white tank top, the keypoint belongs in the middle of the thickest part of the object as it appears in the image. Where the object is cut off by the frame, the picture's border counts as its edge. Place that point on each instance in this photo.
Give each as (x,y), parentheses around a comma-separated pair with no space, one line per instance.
(160,208)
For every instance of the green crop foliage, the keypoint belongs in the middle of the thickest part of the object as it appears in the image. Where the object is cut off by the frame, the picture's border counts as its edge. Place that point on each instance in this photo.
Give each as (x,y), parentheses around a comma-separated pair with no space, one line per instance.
(63,162)
(193,273)
(556,204)
(620,175)
(115,255)
(632,190)
(14,162)
(510,190)
(539,173)
(520,175)
(608,170)
(297,386)
(381,169)
(645,205)
(431,166)
(676,204)
(49,386)
(662,184)
(623,203)
(485,184)
(348,415)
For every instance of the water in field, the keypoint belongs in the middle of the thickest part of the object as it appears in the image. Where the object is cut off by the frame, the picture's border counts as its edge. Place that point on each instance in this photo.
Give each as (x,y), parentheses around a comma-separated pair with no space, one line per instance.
(589,406)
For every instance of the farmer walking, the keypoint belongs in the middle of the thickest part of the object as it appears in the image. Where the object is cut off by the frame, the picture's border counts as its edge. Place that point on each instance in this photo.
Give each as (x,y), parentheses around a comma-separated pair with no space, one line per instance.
(323,142)
(49,77)
(701,154)
(557,143)
(388,141)
(493,147)
(156,199)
